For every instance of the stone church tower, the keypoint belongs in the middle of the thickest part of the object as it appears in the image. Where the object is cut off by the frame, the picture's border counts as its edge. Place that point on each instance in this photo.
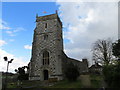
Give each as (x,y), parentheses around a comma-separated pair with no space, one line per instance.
(48,59)
(47,47)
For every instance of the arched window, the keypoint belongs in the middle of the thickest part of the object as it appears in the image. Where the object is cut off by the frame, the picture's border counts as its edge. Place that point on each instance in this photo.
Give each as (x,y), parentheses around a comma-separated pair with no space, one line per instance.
(45,58)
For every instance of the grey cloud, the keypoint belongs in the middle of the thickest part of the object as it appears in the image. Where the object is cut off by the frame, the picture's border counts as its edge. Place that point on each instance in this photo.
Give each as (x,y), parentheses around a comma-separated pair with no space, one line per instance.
(98,21)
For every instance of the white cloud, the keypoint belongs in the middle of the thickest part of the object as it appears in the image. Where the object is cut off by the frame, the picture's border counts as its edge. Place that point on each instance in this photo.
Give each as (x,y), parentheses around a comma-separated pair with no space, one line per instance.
(28,47)
(11,40)
(61,0)
(85,23)
(13,32)
(10,33)
(18,29)
(87,1)
(29,0)
(17,62)
(2,42)
(4,25)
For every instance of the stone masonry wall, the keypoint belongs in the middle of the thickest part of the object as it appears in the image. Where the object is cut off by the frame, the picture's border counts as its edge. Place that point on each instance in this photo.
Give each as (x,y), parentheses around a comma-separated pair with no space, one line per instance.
(53,44)
(51,26)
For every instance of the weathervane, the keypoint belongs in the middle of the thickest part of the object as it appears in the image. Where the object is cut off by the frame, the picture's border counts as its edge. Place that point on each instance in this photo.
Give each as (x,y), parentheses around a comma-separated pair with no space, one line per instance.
(56,11)
(36,15)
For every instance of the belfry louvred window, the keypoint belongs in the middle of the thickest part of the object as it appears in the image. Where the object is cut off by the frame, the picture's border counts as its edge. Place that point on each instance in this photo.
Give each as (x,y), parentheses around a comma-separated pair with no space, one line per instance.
(45,58)
(45,37)
(45,25)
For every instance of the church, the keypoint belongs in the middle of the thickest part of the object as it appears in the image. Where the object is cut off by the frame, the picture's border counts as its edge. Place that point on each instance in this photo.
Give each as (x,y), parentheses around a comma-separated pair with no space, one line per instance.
(48,60)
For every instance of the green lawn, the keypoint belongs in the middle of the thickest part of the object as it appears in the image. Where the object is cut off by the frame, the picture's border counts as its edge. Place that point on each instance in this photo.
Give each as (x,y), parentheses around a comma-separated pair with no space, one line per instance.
(95,82)
(24,84)
(67,84)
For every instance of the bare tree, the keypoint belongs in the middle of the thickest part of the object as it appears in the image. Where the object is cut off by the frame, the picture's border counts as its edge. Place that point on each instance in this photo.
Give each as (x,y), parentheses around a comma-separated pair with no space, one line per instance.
(102,51)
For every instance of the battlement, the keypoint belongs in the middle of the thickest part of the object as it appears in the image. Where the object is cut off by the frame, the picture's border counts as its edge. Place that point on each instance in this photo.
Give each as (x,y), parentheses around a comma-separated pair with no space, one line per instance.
(48,17)
(48,61)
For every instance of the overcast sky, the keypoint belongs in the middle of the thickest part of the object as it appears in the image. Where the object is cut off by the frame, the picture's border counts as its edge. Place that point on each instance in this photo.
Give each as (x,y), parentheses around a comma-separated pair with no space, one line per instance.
(83,24)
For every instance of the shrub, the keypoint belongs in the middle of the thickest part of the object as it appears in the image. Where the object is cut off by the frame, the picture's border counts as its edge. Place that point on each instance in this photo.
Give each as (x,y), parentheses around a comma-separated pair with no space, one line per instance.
(72,72)
(112,74)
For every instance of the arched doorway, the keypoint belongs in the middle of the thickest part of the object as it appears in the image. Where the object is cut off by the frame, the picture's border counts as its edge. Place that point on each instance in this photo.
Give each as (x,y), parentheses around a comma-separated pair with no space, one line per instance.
(45,72)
